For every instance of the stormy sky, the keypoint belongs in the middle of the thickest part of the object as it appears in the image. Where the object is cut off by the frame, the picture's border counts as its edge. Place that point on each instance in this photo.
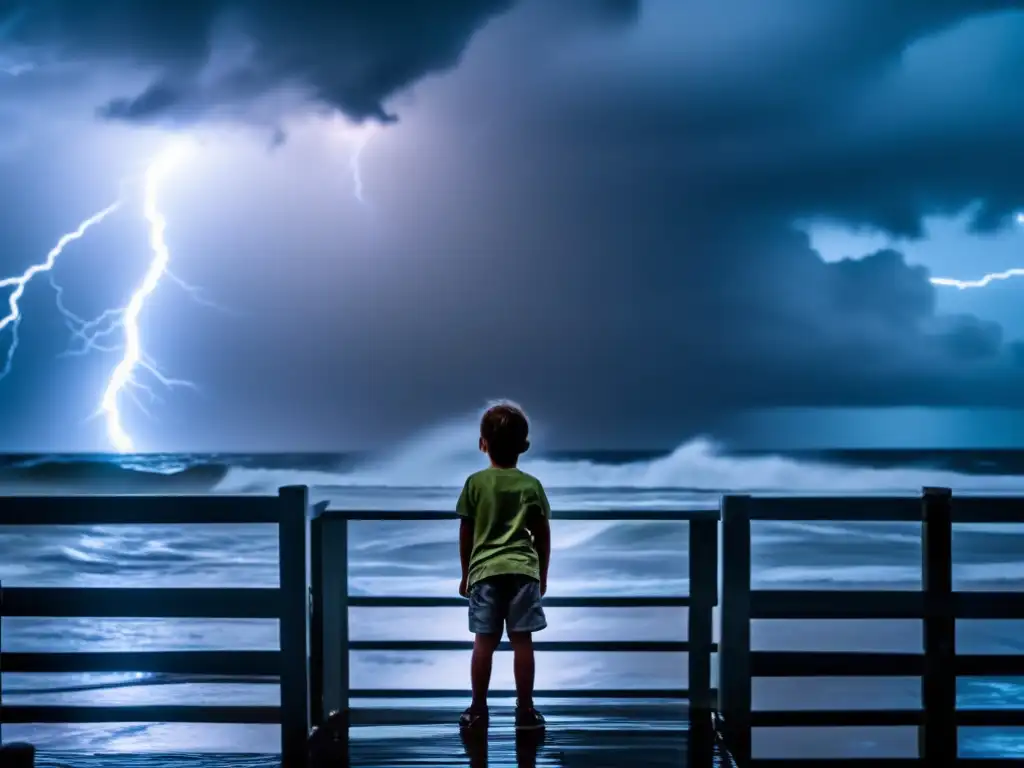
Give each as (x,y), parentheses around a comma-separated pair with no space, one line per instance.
(637,218)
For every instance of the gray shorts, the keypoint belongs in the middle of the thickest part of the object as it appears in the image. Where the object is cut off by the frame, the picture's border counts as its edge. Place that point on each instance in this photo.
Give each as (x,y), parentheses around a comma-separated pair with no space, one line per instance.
(507,600)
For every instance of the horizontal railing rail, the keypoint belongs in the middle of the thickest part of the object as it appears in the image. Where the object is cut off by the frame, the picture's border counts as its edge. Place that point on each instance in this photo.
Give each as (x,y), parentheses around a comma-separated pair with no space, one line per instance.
(140,603)
(575,646)
(509,693)
(286,603)
(586,515)
(157,662)
(80,714)
(881,509)
(330,679)
(134,509)
(937,605)
(386,601)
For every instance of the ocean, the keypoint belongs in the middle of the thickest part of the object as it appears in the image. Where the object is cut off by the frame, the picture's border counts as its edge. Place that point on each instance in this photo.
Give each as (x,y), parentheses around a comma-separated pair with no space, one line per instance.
(599,558)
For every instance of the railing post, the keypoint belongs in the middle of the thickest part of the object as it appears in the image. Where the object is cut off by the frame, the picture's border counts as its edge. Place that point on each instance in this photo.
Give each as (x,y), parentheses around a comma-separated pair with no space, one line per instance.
(334,603)
(316,621)
(734,682)
(294,644)
(703,558)
(1,662)
(937,737)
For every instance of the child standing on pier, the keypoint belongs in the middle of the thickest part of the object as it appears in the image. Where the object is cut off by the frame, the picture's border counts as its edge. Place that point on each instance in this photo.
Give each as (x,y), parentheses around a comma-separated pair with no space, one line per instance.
(505,547)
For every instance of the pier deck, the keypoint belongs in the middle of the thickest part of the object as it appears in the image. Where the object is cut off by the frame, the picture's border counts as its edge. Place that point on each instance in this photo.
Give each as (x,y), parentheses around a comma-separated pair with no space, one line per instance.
(578,736)
(592,734)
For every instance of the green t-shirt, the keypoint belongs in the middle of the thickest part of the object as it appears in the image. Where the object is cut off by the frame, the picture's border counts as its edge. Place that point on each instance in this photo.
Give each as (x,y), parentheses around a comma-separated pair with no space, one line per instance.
(500,502)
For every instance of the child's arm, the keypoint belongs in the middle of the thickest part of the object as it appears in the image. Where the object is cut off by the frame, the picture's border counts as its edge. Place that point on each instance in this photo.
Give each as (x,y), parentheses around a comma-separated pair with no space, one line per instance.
(464,509)
(542,541)
(465,552)
(540,527)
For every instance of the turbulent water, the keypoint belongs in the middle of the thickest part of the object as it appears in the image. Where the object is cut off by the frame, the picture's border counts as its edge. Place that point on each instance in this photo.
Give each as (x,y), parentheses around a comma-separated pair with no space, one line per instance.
(420,558)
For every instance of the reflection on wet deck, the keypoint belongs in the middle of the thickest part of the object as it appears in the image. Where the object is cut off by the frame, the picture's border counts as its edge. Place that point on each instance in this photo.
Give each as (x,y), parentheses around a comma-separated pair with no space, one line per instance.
(599,735)
(501,747)
(577,737)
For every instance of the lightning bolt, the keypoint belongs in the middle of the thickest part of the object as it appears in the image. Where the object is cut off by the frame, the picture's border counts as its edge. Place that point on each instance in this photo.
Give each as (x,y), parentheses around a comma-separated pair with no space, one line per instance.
(124,375)
(92,335)
(985,280)
(361,140)
(981,282)
(13,317)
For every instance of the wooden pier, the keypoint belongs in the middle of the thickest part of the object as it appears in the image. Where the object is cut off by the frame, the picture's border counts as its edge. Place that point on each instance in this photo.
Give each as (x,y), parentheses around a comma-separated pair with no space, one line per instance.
(313,601)
(287,603)
(936,605)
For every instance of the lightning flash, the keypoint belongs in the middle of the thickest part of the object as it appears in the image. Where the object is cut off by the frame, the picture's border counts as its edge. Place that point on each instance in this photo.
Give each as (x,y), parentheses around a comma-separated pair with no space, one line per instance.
(981,282)
(126,320)
(352,140)
(361,139)
(985,280)
(18,284)
(124,373)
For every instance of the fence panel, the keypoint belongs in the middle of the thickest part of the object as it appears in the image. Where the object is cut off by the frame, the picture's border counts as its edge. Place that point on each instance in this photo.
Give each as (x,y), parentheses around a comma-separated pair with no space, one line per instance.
(287,604)
(936,604)
(331,602)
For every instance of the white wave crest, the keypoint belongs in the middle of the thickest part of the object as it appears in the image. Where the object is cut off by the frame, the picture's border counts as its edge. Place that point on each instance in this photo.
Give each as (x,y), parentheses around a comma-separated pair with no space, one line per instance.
(441,458)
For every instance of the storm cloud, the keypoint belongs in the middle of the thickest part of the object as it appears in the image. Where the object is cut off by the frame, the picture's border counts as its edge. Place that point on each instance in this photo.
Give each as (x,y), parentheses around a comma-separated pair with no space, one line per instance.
(607,202)
(350,56)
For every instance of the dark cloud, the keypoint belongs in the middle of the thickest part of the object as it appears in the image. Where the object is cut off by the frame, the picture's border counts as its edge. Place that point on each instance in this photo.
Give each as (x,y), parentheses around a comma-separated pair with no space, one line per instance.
(661,260)
(605,232)
(650,322)
(882,285)
(969,338)
(153,102)
(864,111)
(351,55)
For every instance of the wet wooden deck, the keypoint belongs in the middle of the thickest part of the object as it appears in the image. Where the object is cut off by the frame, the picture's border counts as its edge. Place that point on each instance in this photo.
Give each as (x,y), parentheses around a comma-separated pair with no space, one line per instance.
(576,737)
(576,746)
(605,735)
(440,747)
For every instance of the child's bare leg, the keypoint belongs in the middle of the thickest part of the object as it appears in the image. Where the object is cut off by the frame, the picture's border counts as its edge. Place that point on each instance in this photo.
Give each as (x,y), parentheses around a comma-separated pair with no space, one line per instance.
(484,647)
(523,666)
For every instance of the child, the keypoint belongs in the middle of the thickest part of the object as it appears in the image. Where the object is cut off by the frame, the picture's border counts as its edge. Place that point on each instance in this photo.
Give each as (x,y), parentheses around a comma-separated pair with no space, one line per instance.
(505,546)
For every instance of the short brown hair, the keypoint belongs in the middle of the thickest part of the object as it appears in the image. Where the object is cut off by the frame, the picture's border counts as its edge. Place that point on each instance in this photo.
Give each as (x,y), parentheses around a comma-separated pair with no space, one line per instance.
(505,428)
